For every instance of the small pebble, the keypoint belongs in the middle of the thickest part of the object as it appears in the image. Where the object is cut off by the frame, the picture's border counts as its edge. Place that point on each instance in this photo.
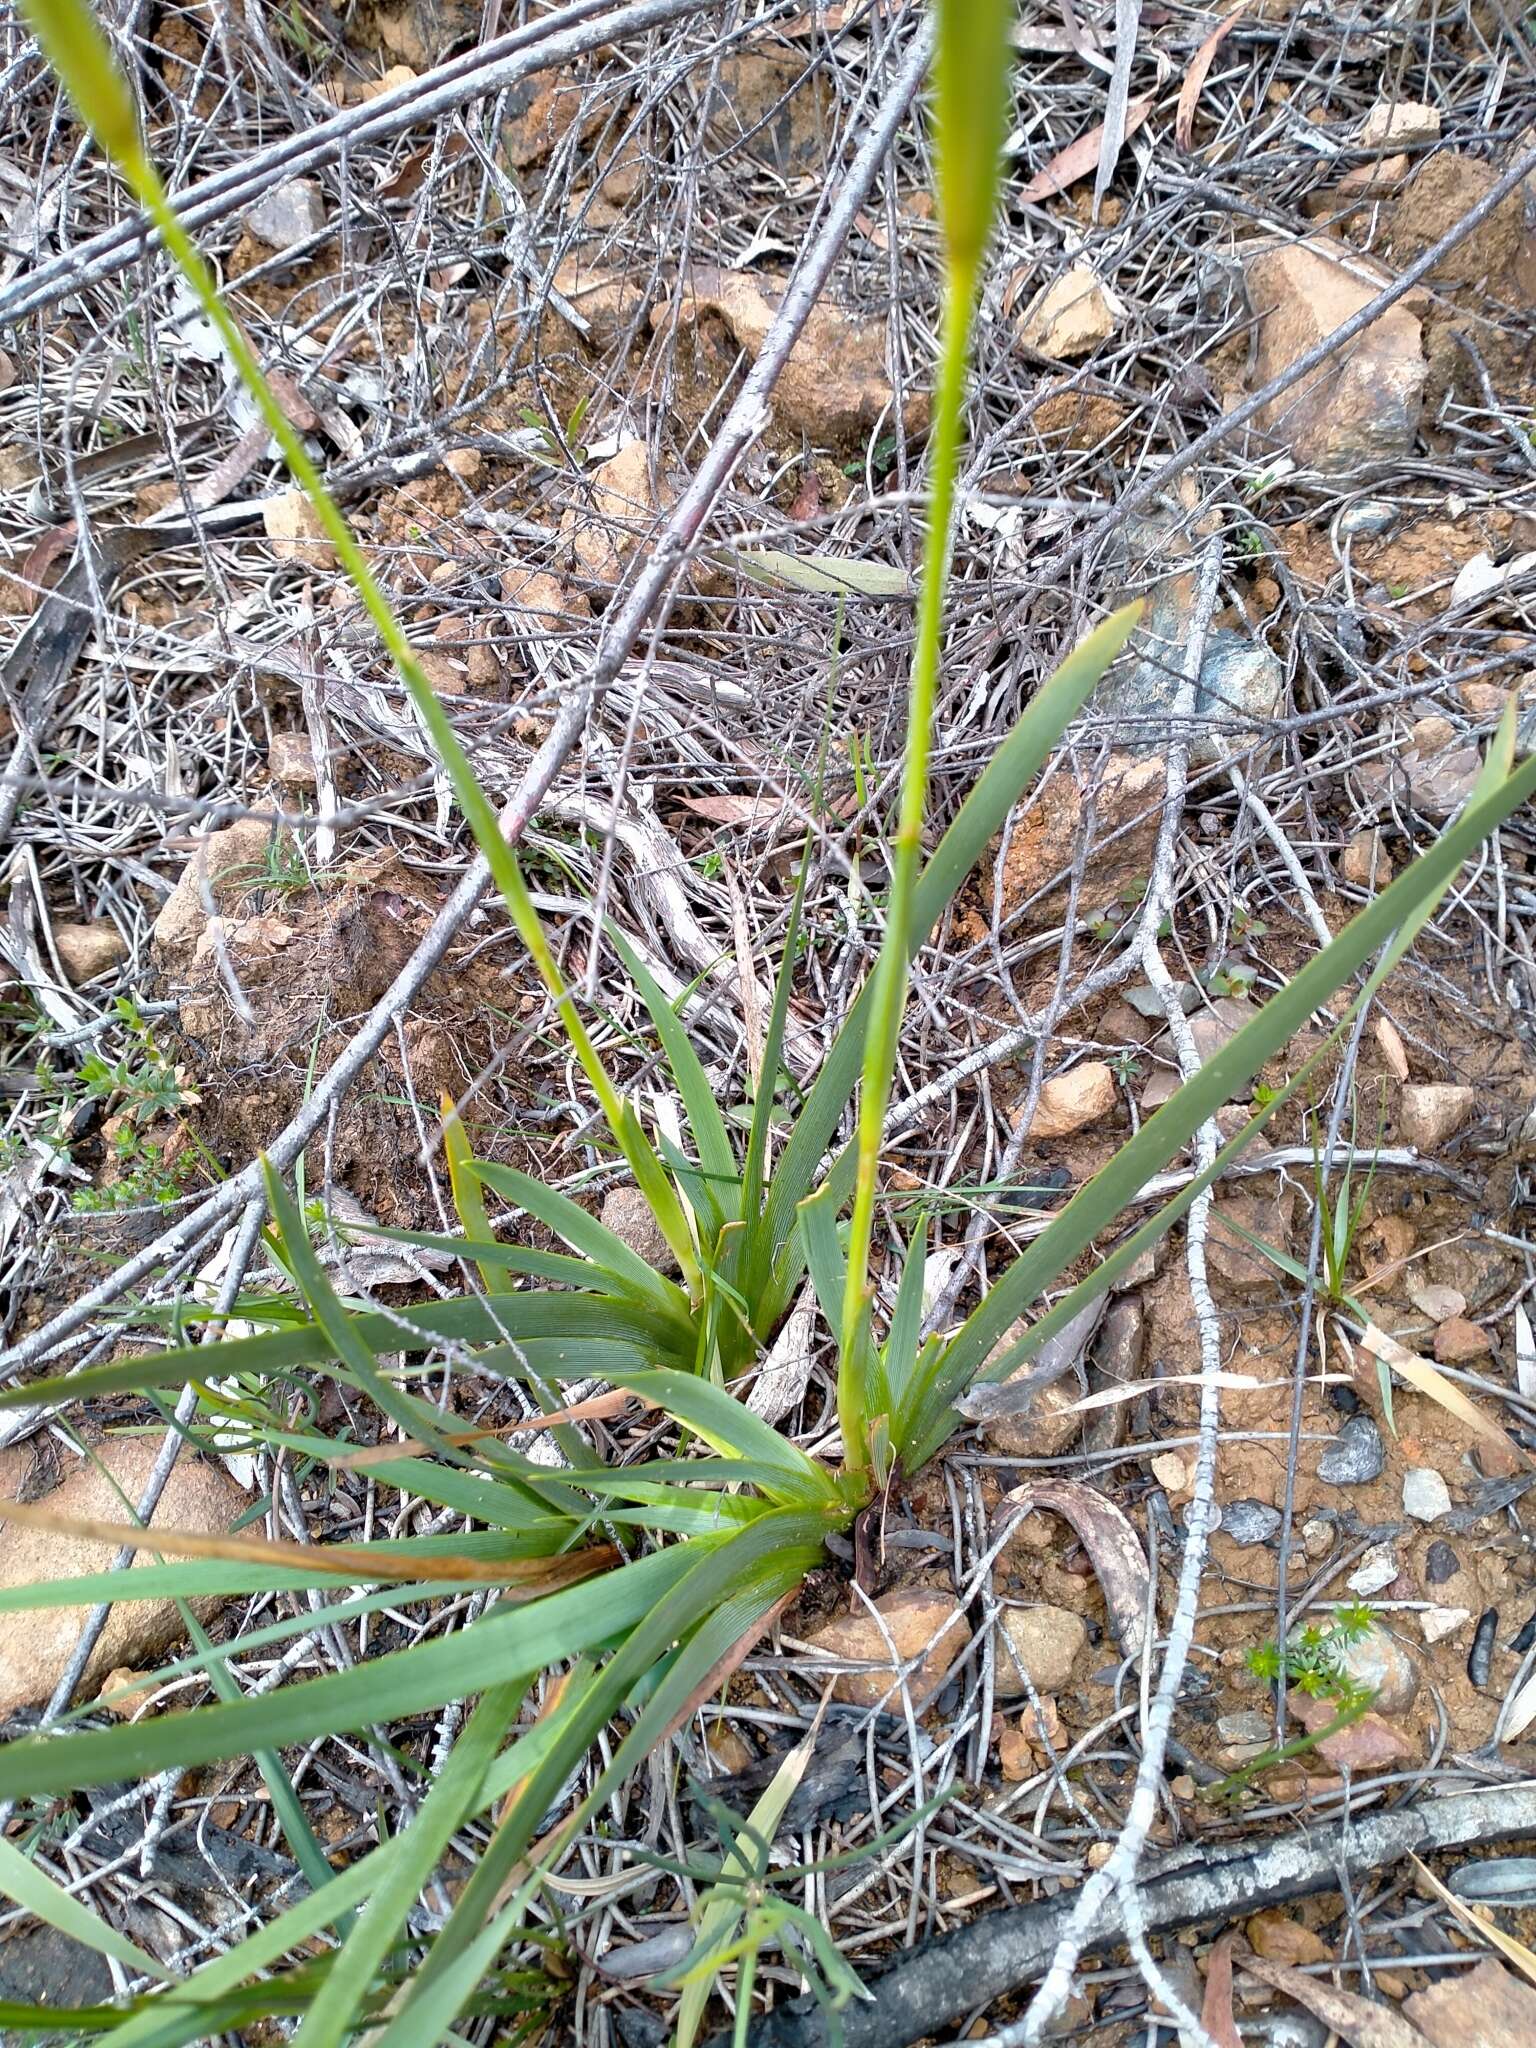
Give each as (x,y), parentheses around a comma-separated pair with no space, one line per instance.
(1247,1726)
(1438,1622)
(1440,1563)
(1366,516)
(1375,1571)
(1480,1656)
(1249,1521)
(1355,1457)
(1425,1495)
(1317,1536)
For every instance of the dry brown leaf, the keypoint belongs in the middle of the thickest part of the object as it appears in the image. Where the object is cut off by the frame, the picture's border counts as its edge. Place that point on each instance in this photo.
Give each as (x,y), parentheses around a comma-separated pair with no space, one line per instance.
(1361,2023)
(1513,1951)
(45,551)
(600,1408)
(727,809)
(1194,78)
(1427,1379)
(1081,158)
(343,1560)
(1216,2014)
(1393,1051)
(1113,1547)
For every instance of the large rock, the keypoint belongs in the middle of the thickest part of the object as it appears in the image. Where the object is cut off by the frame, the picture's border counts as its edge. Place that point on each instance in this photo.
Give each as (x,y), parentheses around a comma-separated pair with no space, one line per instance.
(36,1645)
(230,861)
(914,1617)
(1361,407)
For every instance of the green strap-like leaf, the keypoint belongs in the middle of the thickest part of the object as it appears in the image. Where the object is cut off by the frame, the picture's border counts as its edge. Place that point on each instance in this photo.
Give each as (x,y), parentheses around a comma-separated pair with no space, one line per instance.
(623,1268)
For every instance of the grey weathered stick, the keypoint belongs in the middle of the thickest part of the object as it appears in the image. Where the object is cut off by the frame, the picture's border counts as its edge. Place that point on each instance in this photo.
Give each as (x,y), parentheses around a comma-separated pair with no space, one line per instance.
(930,1988)
(742,424)
(557,39)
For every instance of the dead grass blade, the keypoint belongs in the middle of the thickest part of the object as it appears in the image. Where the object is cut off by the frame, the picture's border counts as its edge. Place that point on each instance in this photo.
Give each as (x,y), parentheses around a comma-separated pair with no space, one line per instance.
(600,1408)
(1427,1379)
(335,1560)
(1113,1547)
(1080,158)
(1512,1951)
(1216,2014)
(1195,77)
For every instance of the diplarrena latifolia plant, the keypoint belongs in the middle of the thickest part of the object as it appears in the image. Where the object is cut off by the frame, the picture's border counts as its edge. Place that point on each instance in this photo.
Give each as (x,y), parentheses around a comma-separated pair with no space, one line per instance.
(621,1593)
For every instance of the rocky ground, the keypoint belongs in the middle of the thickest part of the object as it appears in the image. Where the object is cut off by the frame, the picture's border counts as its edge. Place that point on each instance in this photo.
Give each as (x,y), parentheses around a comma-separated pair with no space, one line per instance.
(513,333)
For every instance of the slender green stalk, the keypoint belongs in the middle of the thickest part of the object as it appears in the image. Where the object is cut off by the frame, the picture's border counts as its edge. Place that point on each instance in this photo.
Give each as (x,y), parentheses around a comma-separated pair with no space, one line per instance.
(971,100)
(79,53)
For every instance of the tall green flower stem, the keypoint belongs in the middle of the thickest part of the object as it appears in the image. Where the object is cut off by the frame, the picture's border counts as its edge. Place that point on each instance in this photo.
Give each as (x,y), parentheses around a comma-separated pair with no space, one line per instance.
(970,120)
(75,46)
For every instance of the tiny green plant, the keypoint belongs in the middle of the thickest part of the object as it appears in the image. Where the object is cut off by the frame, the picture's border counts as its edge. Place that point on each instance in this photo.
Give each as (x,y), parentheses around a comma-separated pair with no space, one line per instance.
(1312,1657)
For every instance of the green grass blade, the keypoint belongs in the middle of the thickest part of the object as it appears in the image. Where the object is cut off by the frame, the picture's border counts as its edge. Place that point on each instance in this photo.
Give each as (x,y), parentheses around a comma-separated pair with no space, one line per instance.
(608,1253)
(506,1645)
(1390,921)
(716,1156)
(453,1798)
(980,818)
(755,1168)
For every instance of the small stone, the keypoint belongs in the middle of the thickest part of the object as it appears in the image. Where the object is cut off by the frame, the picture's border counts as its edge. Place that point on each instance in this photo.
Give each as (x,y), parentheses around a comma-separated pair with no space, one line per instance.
(1435,784)
(1355,1457)
(1399,124)
(1170,1470)
(628,1215)
(1072,1101)
(86,950)
(1439,1622)
(1425,1494)
(1366,518)
(1484,701)
(1248,1522)
(124,1692)
(287,215)
(1364,863)
(1440,1563)
(1045,1429)
(1284,1940)
(291,760)
(1247,1726)
(612,302)
(1375,1571)
(1430,1112)
(771,106)
(1378,1662)
(1363,406)
(1317,1536)
(914,1618)
(1374,180)
(1438,1302)
(1458,1341)
(1369,1744)
(1015,1758)
(1432,735)
(1071,317)
(1045,1642)
(293,526)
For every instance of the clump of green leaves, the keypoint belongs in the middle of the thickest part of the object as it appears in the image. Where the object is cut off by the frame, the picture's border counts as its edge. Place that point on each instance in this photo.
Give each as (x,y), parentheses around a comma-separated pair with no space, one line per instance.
(1311,1658)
